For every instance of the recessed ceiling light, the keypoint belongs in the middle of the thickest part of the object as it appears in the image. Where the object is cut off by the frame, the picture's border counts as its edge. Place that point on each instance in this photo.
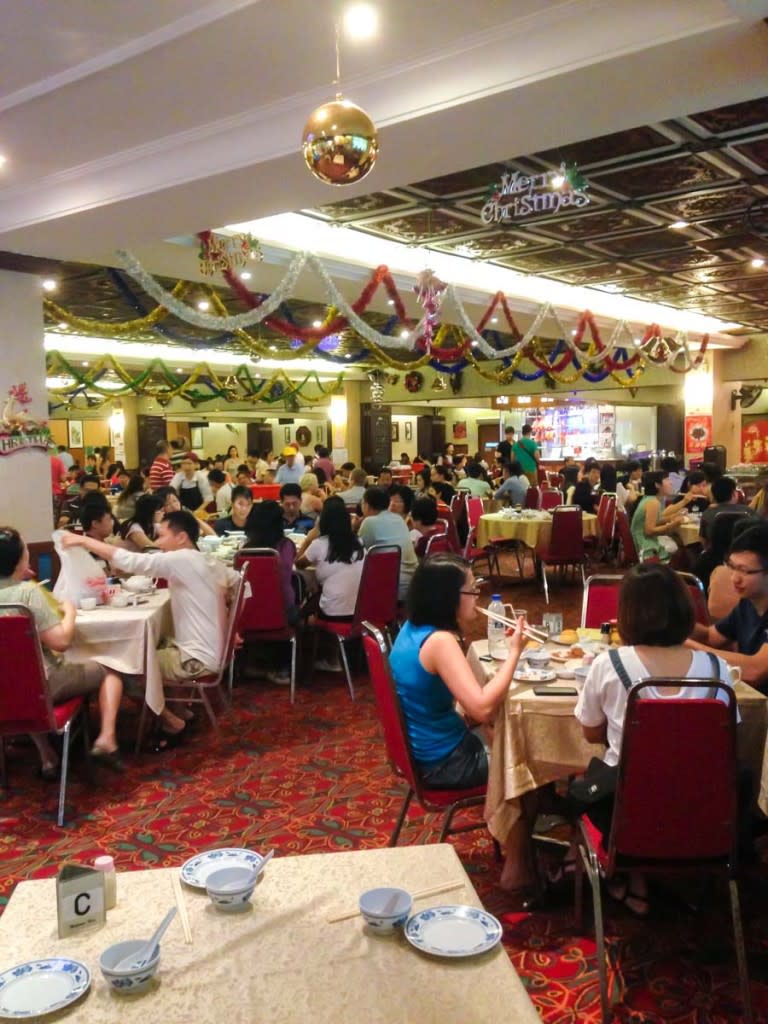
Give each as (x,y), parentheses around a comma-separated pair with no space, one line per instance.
(758,262)
(317,323)
(273,348)
(63,326)
(179,370)
(678,225)
(204,305)
(84,362)
(245,275)
(3,160)
(50,285)
(494,319)
(361,21)
(390,302)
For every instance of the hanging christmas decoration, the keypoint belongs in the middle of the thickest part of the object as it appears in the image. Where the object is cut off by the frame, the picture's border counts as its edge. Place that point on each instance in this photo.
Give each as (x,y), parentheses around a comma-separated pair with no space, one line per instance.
(226,252)
(377,379)
(429,293)
(340,142)
(414,382)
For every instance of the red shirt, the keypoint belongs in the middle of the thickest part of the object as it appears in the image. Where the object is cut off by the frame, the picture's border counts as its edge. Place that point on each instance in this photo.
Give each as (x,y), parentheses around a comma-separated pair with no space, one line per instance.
(58,473)
(161,473)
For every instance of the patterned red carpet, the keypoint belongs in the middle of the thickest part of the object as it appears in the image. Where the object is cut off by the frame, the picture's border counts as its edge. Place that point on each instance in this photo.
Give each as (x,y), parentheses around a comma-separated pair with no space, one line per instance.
(313,777)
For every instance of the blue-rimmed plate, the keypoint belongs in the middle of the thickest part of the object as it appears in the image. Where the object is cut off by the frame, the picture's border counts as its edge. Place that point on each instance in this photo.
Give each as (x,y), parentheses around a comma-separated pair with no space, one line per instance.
(41,986)
(195,871)
(453,931)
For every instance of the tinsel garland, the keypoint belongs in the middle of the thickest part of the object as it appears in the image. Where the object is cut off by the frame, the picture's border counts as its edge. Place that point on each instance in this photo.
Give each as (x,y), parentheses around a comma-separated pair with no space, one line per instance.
(239,386)
(86,325)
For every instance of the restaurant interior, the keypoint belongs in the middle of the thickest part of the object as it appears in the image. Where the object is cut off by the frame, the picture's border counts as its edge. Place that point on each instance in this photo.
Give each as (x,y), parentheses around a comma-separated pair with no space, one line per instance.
(546,214)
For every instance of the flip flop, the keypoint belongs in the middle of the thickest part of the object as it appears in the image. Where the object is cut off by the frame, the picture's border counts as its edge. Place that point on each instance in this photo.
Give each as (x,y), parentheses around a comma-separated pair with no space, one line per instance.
(109,758)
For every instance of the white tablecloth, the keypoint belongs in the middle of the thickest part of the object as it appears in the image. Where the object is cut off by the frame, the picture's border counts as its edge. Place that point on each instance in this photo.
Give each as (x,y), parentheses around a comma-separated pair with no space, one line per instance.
(281,962)
(125,639)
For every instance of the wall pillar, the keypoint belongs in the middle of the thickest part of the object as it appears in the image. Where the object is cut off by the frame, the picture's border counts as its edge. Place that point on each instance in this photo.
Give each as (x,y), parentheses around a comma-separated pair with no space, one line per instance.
(25,476)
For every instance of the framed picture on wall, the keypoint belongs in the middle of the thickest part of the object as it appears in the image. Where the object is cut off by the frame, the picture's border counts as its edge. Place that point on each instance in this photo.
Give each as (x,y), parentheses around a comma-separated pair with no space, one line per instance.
(395,431)
(287,434)
(75,433)
(460,429)
(319,435)
(196,437)
(408,430)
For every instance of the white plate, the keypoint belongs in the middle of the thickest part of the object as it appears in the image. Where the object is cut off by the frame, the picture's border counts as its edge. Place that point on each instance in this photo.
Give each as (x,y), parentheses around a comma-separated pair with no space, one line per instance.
(195,871)
(535,675)
(453,931)
(41,986)
(564,643)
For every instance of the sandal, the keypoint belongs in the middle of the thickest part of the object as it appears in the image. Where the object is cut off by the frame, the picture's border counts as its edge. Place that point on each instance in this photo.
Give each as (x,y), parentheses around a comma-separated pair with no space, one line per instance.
(50,772)
(618,889)
(168,740)
(109,758)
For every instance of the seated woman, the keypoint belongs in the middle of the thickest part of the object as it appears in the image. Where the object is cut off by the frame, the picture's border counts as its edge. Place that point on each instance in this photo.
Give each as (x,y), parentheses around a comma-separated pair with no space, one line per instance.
(401,500)
(125,506)
(431,674)
(424,521)
(171,503)
(656,616)
(652,522)
(138,532)
(312,496)
(337,556)
(56,629)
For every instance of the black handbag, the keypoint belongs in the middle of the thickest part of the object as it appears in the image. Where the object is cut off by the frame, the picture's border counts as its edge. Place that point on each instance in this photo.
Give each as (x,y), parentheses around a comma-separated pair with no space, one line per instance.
(597,782)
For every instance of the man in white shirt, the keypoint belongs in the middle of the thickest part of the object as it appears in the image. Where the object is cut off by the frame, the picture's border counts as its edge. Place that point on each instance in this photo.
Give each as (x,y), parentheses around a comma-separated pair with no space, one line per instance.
(198,588)
(191,485)
(290,472)
(222,491)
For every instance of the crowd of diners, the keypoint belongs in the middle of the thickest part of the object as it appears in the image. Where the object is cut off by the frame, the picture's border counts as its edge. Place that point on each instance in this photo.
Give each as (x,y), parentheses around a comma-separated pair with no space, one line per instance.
(326,517)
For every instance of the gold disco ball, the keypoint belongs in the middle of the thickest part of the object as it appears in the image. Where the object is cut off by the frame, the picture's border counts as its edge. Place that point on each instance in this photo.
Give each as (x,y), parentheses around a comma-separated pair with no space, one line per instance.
(340,142)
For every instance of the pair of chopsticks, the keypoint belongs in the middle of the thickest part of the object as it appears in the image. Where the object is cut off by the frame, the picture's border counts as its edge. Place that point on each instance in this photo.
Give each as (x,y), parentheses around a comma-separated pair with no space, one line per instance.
(530,631)
(178,895)
(420,895)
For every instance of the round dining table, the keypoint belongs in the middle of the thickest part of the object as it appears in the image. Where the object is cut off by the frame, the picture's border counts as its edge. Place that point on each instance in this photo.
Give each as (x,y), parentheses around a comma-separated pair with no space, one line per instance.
(534,530)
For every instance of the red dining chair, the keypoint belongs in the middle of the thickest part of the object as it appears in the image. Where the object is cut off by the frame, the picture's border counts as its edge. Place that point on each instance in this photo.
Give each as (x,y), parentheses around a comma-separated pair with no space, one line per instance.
(458,509)
(399,750)
(566,544)
(670,816)
(627,554)
(551,498)
(376,602)
(472,553)
(601,601)
(451,527)
(264,618)
(601,545)
(532,498)
(698,597)
(25,701)
(437,544)
(195,689)
(475,509)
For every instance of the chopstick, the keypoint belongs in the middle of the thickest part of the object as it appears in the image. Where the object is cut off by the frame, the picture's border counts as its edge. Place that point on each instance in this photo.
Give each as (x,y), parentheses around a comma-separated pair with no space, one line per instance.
(178,895)
(420,895)
(530,631)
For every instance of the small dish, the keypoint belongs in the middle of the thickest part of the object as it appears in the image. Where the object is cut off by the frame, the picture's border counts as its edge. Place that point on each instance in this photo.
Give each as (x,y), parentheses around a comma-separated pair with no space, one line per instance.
(385,909)
(230,889)
(127,981)
(535,675)
(88,604)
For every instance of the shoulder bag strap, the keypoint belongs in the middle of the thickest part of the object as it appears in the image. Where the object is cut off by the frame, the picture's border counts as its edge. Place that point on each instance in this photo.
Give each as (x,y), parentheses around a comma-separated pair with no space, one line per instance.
(715,666)
(618,668)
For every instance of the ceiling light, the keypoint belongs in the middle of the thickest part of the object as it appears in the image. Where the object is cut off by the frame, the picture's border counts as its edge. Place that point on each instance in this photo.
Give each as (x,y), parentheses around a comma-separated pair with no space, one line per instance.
(678,225)
(494,319)
(3,160)
(523,399)
(63,326)
(179,370)
(317,323)
(203,305)
(84,362)
(49,285)
(757,262)
(245,275)
(474,344)
(273,348)
(361,21)
(405,334)
(390,302)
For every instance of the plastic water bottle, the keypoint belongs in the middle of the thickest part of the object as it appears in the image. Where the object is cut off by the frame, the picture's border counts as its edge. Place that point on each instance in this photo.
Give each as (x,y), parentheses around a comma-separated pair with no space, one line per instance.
(497,631)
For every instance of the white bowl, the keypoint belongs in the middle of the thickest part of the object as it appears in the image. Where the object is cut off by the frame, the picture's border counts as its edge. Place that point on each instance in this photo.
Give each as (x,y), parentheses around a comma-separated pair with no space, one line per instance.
(539,659)
(209,543)
(120,601)
(385,909)
(88,603)
(127,982)
(230,889)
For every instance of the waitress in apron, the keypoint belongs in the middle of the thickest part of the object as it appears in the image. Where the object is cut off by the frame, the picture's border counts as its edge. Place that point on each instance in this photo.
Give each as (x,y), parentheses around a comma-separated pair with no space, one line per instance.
(192,486)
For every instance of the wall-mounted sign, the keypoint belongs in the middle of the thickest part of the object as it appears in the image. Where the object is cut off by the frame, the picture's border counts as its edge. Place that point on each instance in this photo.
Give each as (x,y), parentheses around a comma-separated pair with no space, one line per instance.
(698,433)
(520,195)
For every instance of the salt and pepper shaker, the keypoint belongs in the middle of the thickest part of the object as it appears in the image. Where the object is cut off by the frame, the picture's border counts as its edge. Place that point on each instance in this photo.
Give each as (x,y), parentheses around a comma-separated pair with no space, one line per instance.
(106,865)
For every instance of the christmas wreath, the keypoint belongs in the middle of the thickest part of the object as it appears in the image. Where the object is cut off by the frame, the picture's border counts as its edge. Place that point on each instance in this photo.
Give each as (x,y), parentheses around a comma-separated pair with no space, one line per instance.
(414,381)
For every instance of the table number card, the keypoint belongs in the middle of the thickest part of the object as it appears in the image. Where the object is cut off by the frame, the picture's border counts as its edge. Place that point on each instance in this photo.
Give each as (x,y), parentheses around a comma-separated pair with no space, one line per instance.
(79,898)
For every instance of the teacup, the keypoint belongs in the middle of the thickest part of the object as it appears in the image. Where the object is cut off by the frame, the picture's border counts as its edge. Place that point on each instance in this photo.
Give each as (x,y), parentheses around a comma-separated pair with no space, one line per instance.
(88,603)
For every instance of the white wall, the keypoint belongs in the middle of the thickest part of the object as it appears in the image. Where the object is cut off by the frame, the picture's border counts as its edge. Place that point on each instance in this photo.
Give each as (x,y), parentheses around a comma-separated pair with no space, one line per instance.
(636,426)
(25,476)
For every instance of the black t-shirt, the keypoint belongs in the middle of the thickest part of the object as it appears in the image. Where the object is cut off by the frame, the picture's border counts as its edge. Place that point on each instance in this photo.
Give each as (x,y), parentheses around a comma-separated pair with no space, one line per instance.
(504,448)
(445,491)
(584,496)
(745,626)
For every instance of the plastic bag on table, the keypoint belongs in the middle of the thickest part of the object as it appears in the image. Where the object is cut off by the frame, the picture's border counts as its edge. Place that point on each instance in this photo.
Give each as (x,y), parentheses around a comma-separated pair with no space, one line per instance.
(80,575)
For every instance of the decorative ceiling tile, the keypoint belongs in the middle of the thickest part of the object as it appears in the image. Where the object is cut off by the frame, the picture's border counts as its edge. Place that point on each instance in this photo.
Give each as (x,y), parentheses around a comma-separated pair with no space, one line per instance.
(540,263)
(420,225)
(493,245)
(462,181)
(600,273)
(362,207)
(717,275)
(756,152)
(701,205)
(686,260)
(629,246)
(609,147)
(736,118)
(682,172)
(648,285)
(593,225)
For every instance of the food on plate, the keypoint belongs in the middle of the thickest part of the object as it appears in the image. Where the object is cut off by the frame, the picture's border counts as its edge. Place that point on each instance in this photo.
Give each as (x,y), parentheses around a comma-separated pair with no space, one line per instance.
(569,636)
(576,652)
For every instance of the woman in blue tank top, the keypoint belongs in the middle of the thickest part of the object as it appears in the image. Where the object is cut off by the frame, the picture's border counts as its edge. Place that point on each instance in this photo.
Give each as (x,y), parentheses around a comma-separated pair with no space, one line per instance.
(431,674)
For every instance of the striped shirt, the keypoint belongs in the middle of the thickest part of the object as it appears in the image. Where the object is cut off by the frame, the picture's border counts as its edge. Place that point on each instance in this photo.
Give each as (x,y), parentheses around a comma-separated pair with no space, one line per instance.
(161,473)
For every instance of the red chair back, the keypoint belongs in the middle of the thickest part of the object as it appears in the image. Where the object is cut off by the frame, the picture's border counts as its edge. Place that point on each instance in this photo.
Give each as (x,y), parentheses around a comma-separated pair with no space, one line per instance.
(666,807)
(475,509)
(235,616)
(626,541)
(265,492)
(550,499)
(567,543)
(698,597)
(606,518)
(25,703)
(264,611)
(601,601)
(379,584)
(438,543)
(450,521)
(532,498)
(390,712)
(439,529)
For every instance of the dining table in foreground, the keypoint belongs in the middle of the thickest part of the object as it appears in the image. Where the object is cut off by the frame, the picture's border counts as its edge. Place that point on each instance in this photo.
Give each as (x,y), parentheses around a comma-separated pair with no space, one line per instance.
(126,639)
(281,961)
(537,740)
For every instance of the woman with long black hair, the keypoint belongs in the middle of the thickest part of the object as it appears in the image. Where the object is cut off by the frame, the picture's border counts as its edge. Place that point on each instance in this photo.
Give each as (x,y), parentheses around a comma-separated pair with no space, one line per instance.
(138,532)
(337,555)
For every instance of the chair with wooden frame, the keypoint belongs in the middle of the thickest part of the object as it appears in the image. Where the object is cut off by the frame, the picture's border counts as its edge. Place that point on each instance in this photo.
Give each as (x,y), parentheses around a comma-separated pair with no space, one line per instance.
(399,750)
(25,701)
(669,815)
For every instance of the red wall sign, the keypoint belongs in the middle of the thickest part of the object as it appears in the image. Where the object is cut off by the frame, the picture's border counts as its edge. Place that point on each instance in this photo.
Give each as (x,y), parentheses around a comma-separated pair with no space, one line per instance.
(698,433)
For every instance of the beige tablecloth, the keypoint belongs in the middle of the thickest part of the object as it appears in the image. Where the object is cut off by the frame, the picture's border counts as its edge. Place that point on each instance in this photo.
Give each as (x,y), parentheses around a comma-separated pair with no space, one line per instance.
(537,740)
(534,533)
(280,962)
(688,533)
(125,639)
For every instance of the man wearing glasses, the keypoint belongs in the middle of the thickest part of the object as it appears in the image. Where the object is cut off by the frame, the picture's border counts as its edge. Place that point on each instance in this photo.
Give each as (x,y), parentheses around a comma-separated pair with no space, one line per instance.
(746,625)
